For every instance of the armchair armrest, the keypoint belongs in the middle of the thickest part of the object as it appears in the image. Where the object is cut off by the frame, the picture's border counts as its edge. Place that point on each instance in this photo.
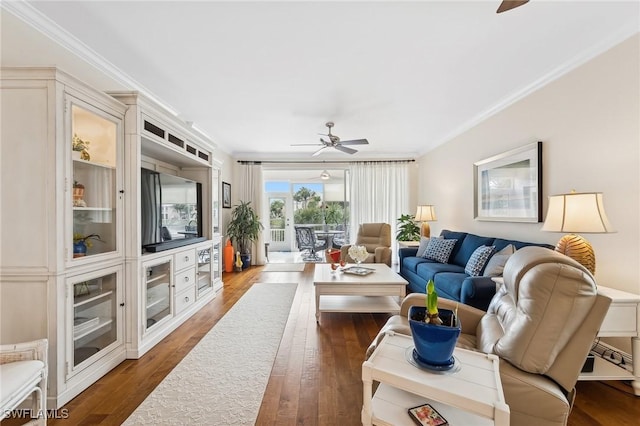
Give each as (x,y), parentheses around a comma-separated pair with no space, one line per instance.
(382,255)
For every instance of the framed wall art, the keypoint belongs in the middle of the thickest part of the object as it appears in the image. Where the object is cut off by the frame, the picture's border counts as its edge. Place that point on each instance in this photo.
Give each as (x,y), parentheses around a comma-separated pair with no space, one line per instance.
(508,186)
(226,195)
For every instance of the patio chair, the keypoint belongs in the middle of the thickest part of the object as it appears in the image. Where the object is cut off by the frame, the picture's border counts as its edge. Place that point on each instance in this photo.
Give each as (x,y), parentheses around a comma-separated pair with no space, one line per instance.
(307,241)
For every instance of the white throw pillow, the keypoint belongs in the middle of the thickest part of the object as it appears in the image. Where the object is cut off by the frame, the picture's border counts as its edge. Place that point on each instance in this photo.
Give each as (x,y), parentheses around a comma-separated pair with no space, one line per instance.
(424,242)
(496,263)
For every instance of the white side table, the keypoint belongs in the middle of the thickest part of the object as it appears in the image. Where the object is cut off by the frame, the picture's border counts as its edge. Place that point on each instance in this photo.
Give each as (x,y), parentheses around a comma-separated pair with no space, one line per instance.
(622,320)
(471,396)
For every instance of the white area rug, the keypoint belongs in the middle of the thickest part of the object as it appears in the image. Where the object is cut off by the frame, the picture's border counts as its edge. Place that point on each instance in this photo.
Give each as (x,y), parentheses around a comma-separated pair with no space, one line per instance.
(222,380)
(283,267)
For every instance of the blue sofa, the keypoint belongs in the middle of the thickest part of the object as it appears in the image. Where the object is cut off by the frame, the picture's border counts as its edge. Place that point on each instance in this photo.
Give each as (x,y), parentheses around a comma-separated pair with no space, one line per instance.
(450,279)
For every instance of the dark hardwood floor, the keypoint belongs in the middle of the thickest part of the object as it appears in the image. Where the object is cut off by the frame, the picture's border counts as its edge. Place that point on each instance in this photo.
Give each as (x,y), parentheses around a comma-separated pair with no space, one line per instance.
(316,378)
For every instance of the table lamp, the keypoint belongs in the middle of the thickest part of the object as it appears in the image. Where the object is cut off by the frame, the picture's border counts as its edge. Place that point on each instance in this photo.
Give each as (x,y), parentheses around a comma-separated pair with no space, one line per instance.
(425,214)
(573,213)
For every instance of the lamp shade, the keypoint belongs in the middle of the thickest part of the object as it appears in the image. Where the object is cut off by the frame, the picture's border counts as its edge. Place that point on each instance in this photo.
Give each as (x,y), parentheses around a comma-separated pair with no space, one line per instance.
(426,213)
(577,213)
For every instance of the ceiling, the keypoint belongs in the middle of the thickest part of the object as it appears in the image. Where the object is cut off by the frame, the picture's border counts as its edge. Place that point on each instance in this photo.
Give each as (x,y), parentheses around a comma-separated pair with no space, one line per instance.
(259,76)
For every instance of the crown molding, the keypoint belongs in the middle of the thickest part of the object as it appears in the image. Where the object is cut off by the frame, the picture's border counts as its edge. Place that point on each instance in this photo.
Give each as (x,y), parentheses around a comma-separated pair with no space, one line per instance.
(40,22)
(621,35)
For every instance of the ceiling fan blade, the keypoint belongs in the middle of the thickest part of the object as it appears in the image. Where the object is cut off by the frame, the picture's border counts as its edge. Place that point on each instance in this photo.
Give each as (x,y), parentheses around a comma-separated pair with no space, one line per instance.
(345,149)
(355,142)
(318,151)
(510,4)
(306,144)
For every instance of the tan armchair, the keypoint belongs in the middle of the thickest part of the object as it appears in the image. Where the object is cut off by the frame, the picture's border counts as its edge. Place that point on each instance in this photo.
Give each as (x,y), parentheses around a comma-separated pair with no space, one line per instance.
(23,373)
(541,323)
(376,237)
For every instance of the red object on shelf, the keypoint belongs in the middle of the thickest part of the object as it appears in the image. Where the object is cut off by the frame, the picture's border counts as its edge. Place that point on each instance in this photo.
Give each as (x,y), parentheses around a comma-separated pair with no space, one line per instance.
(228,257)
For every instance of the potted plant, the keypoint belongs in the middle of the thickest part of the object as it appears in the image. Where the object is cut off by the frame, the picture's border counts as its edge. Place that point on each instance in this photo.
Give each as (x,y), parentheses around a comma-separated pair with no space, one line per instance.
(434,331)
(407,229)
(82,147)
(244,228)
(82,242)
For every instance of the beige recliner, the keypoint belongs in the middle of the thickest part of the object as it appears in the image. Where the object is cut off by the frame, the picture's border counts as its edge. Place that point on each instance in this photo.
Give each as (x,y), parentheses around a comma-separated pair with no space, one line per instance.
(376,237)
(541,323)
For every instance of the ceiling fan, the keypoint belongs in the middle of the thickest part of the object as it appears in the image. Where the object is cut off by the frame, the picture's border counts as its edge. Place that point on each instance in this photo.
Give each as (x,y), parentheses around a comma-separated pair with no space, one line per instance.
(510,4)
(333,141)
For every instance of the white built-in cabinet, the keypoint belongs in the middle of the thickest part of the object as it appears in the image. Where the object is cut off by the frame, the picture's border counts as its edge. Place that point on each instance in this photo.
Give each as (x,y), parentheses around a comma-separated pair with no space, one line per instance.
(70,162)
(75,300)
(177,282)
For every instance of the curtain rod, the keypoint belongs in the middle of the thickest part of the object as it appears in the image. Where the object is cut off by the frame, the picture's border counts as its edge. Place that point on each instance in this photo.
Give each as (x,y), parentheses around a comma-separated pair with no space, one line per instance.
(323,162)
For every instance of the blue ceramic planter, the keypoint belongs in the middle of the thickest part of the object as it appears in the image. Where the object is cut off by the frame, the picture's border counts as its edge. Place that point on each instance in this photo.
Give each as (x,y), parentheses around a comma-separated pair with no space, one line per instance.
(434,343)
(79,249)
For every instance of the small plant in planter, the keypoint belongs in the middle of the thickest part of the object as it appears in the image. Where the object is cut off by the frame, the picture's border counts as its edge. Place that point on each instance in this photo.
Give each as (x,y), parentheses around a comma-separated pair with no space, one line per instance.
(407,228)
(82,242)
(82,147)
(434,331)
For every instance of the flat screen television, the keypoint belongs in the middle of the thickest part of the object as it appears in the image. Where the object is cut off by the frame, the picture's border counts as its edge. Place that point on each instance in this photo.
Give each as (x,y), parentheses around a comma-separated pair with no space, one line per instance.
(170,207)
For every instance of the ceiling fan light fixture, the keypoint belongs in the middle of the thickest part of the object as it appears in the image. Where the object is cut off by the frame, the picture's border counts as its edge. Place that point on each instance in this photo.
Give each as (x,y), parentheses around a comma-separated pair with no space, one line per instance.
(510,4)
(325,175)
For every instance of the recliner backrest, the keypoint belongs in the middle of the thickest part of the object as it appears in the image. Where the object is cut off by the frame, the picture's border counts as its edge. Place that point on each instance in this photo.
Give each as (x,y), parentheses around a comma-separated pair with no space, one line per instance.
(372,235)
(545,314)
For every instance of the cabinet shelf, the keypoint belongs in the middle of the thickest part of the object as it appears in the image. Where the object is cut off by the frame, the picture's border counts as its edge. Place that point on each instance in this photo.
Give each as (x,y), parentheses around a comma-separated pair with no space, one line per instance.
(156,279)
(83,300)
(102,323)
(93,209)
(93,163)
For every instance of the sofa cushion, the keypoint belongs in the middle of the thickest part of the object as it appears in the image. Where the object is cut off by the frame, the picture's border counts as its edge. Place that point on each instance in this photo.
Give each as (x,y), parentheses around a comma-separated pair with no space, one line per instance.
(428,270)
(478,259)
(496,263)
(469,244)
(454,235)
(501,243)
(411,263)
(424,242)
(439,249)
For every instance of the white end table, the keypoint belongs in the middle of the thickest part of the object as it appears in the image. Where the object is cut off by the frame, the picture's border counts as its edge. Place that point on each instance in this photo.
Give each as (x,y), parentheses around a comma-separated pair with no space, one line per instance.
(471,396)
(622,320)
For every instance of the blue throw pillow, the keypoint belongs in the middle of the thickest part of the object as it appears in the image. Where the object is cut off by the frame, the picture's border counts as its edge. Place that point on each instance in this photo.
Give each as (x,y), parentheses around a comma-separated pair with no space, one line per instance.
(439,249)
(478,259)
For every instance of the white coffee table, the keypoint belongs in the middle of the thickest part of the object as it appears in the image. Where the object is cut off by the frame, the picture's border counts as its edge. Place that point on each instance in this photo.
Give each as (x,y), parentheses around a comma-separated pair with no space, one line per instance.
(470,396)
(380,291)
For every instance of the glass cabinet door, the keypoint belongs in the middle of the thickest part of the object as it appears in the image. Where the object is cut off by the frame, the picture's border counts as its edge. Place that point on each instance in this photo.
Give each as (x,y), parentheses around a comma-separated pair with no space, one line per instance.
(96,312)
(203,273)
(215,263)
(94,149)
(158,293)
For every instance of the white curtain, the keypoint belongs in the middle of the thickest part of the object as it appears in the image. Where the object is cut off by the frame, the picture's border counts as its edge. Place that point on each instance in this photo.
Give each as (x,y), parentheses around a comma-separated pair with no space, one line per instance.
(251,188)
(379,192)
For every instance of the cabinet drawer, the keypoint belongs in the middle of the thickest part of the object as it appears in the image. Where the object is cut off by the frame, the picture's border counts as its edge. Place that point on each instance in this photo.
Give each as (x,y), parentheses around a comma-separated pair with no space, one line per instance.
(185,298)
(184,259)
(184,279)
(621,320)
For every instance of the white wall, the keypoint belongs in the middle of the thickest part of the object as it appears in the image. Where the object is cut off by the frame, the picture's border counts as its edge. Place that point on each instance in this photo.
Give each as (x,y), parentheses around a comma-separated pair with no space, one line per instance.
(589,123)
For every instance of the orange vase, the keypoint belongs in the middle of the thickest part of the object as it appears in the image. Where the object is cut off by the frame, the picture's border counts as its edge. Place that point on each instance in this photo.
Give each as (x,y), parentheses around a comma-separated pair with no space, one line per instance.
(228,257)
